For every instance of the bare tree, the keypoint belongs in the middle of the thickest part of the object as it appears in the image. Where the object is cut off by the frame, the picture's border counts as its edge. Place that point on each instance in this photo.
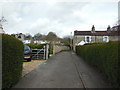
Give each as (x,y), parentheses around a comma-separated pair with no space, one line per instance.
(52,37)
(28,36)
(38,36)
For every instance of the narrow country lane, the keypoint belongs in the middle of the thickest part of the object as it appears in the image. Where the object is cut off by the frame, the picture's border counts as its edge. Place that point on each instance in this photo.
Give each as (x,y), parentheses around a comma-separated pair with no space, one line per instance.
(63,70)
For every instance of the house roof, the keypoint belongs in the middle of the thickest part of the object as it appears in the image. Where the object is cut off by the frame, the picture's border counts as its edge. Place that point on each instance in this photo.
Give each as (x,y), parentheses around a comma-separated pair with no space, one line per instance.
(97,33)
(101,33)
(115,28)
(82,32)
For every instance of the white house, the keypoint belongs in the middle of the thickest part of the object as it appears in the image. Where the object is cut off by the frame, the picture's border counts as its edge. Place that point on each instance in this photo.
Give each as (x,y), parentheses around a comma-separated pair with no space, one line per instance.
(26,41)
(40,41)
(82,37)
(20,36)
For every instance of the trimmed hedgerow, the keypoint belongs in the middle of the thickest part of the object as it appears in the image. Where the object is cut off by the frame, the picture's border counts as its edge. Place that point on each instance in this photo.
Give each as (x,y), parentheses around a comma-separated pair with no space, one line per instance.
(12,60)
(103,56)
(34,46)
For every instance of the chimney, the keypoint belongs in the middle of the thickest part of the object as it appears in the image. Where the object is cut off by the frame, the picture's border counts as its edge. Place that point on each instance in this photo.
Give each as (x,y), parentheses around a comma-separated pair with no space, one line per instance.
(108,29)
(93,29)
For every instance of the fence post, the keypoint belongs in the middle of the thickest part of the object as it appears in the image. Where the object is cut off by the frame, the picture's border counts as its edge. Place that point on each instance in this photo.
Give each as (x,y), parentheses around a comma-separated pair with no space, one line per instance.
(47,47)
(44,52)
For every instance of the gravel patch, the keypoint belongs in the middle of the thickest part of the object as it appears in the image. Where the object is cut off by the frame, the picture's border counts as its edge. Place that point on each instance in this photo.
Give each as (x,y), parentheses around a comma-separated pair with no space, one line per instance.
(29,66)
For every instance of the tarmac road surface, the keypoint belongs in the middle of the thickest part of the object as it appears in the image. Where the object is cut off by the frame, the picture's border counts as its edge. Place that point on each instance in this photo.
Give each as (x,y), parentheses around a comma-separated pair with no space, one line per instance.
(63,70)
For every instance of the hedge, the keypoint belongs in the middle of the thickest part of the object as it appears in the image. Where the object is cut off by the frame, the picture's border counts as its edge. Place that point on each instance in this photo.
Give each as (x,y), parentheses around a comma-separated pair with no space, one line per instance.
(35,46)
(103,56)
(12,60)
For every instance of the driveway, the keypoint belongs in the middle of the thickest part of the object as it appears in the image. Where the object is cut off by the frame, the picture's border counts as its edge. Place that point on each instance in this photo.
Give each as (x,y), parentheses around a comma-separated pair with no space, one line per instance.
(63,70)
(29,66)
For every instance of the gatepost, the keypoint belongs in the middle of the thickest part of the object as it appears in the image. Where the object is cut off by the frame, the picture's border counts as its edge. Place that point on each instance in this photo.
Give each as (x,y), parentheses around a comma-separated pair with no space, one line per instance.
(47,51)
(44,52)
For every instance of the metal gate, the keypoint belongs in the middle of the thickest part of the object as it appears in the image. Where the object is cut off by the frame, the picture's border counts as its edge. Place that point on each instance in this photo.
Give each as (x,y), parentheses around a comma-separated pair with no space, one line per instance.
(38,54)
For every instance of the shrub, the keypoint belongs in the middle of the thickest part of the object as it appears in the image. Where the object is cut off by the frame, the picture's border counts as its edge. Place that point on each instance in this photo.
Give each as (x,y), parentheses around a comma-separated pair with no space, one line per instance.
(50,50)
(12,60)
(35,46)
(104,56)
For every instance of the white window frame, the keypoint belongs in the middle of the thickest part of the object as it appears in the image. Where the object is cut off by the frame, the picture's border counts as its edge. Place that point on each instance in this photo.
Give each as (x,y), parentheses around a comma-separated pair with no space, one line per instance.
(104,40)
(89,39)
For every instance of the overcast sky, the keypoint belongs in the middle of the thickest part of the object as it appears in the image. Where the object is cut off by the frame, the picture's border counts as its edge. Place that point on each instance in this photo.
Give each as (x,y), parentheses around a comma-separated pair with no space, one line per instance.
(61,17)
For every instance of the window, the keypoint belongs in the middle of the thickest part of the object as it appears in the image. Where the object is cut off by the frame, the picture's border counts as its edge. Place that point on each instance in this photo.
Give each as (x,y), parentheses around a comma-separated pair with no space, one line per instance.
(105,39)
(87,39)
(19,36)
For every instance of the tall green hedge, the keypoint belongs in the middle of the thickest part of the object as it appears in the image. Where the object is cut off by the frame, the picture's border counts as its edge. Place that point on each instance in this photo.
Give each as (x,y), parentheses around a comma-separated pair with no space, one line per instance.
(12,60)
(105,57)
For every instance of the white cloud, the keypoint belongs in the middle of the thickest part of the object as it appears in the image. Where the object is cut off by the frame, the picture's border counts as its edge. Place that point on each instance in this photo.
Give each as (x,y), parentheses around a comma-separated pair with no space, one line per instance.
(99,14)
(59,17)
(16,19)
(13,19)
(59,0)
(40,22)
(26,10)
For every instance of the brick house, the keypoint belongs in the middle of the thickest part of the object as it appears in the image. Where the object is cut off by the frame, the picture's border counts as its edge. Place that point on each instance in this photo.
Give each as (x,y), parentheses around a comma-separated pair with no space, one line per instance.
(111,34)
